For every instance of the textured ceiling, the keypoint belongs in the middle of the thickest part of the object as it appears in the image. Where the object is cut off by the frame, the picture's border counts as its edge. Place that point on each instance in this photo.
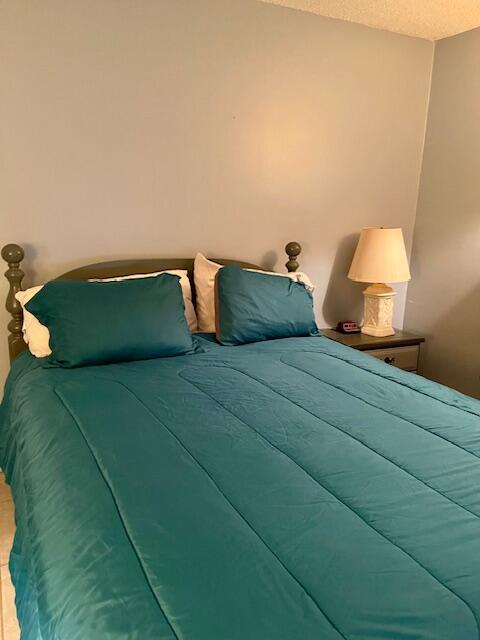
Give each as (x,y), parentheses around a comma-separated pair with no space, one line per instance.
(431,19)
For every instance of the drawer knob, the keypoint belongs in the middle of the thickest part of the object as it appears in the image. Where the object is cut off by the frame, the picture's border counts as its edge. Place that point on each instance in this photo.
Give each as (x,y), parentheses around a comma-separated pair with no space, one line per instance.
(389,360)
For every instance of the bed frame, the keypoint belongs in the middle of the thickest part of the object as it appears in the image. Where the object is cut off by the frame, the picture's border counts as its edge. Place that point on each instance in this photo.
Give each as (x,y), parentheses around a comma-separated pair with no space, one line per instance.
(13,255)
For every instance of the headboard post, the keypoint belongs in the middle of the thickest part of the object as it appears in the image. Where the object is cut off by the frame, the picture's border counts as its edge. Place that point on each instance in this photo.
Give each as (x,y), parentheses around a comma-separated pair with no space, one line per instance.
(13,254)
(293,250)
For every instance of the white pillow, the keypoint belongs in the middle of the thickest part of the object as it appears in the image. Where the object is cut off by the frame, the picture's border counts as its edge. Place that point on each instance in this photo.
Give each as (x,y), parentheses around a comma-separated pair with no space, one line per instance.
(204,273)
(37,335)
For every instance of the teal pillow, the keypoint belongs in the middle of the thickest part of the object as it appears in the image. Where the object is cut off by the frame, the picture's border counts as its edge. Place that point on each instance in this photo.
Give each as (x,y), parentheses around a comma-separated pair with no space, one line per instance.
(251,307)
(100,322)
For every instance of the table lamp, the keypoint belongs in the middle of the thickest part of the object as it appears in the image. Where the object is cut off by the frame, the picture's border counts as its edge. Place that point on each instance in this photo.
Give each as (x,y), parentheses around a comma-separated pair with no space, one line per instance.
(380,257)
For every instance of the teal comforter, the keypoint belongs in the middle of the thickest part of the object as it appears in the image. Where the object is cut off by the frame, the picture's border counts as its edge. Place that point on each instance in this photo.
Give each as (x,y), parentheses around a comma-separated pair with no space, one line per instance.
(292,489)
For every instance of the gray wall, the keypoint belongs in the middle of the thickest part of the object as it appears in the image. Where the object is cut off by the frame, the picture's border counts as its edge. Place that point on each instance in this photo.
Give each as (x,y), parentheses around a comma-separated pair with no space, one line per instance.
(444,294)
(165,127)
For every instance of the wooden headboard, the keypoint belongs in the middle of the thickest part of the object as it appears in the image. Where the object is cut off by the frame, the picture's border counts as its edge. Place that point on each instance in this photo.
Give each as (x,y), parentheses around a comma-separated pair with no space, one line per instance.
(13,255)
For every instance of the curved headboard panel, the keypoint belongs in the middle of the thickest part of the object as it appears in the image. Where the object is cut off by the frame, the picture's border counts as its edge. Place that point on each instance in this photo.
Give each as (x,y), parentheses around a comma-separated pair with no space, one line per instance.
(13,255)
(146,265)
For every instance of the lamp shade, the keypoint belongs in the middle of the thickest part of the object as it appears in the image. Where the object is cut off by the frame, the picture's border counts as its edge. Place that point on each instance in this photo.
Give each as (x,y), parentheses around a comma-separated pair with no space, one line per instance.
(380,256)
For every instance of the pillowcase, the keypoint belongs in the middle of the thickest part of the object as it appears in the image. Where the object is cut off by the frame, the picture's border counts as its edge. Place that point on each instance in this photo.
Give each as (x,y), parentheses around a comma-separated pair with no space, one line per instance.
(204,273)
(253,306)
(190,314)
(37,336)
(100,322)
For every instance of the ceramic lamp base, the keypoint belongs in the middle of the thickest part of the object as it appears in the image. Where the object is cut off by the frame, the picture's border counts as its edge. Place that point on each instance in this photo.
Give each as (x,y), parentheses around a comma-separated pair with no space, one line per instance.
(378,310)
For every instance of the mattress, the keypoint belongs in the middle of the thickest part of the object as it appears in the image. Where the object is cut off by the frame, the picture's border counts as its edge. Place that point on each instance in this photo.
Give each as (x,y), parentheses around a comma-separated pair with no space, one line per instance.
(292,489)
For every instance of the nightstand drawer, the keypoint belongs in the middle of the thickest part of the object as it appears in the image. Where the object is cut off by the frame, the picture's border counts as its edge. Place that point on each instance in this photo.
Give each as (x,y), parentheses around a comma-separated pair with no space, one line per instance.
(401,357)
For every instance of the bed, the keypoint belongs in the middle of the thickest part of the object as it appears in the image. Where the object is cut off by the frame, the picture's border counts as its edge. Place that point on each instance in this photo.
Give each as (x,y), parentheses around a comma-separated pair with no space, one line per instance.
(287,489)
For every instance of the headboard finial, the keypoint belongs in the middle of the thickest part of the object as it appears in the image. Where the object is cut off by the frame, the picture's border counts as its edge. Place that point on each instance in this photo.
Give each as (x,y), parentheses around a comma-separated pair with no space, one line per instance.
(13,254)
(293,250)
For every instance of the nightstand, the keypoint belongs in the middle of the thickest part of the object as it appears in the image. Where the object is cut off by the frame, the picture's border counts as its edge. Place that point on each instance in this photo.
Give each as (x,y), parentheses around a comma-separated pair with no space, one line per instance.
(401,350)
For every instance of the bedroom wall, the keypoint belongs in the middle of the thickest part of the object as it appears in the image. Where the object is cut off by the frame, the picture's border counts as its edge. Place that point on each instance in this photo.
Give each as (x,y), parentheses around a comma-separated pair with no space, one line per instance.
(163,128)
(444,294)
